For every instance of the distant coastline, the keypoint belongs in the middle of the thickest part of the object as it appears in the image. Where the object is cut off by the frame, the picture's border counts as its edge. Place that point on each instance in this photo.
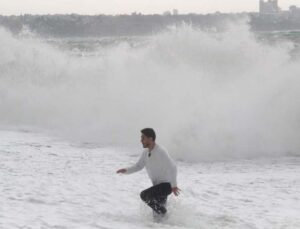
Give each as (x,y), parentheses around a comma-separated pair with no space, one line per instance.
(74,25)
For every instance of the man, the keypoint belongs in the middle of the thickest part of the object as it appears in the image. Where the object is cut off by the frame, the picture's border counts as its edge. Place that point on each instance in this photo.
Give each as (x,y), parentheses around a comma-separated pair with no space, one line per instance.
(161,170)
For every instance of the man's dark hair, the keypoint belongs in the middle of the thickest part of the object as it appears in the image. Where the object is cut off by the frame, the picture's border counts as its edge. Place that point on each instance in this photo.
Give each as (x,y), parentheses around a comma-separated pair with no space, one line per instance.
(149,132)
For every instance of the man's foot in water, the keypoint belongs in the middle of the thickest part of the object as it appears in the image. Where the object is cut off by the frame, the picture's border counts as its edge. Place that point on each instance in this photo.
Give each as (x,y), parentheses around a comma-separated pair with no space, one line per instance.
(158,217)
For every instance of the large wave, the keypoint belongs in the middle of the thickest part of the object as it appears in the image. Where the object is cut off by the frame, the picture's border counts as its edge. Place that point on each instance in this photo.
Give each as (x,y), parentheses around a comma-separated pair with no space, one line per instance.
(209,95)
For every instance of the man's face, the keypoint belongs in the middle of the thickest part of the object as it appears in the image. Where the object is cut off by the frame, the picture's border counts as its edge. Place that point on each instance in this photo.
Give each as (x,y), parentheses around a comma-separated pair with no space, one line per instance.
(146,141)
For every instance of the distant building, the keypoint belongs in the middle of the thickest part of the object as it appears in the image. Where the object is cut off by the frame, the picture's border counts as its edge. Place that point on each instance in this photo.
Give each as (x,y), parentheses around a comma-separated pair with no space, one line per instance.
(294,13)
(136,14)
(269,7)
(167,13)
(294,10)
(175,12)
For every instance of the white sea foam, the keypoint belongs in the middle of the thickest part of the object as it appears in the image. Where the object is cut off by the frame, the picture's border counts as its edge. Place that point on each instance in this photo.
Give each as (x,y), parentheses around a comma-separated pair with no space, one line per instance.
(46,183)
(210,96)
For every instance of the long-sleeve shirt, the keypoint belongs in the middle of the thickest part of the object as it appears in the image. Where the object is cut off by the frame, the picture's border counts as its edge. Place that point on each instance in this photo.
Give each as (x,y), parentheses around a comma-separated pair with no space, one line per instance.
(159,165)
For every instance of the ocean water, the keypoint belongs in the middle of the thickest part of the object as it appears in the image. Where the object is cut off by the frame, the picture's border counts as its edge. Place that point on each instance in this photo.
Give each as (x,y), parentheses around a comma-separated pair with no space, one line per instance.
(49,183)
(225,104)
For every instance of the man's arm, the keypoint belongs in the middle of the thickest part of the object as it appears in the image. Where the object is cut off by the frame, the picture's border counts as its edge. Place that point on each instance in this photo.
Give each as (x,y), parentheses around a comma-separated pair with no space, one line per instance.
(136,167)
(172,173)
(173,176)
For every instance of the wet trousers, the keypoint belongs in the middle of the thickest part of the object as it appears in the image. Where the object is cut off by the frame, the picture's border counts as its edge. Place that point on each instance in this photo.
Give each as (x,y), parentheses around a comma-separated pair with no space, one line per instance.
(156,197)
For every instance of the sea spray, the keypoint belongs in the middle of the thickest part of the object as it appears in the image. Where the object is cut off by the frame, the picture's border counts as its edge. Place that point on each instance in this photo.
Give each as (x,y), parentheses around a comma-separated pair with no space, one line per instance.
(209,95)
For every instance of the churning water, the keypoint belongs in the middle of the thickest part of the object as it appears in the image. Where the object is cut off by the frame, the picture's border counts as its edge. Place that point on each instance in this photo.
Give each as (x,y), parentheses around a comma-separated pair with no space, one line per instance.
(209,95)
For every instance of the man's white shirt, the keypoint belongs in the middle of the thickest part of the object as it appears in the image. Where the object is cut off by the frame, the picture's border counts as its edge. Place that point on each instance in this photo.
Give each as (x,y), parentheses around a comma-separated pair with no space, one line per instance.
(159,165)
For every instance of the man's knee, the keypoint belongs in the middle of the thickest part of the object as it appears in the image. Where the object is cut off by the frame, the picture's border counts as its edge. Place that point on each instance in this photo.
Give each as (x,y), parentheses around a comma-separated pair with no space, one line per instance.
(143,195)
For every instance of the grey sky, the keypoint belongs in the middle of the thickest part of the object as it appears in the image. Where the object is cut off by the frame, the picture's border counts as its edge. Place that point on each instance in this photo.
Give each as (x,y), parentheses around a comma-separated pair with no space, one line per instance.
(8,7)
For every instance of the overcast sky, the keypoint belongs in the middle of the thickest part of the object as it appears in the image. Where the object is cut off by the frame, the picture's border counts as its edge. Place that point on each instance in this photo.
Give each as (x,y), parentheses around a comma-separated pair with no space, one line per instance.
(16,7)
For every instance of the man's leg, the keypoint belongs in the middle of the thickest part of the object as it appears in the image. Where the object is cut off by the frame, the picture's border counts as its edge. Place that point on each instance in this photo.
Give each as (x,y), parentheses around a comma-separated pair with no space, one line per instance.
(161,201)
(156,197)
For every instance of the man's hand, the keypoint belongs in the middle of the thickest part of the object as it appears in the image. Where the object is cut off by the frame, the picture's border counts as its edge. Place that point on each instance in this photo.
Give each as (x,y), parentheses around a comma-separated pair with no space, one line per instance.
(122,171)
(176,191)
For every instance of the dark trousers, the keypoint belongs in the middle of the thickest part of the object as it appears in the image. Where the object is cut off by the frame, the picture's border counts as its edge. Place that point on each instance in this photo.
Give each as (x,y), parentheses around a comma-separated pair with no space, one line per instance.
(156,197)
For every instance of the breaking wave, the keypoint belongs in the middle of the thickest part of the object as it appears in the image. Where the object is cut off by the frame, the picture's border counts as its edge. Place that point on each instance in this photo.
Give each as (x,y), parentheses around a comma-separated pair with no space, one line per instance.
(209,95)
